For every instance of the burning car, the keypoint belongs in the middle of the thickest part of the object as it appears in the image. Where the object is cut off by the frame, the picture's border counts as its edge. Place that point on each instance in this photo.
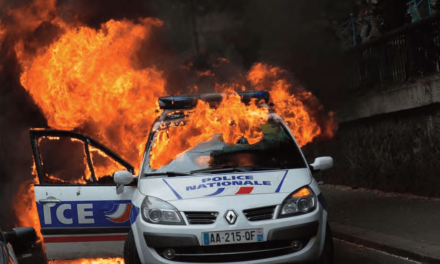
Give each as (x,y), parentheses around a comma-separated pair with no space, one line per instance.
(205,192)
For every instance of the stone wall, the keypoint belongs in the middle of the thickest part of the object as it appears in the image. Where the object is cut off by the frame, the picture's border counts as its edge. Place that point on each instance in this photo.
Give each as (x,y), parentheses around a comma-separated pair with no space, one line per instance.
(421,92)
(398,152)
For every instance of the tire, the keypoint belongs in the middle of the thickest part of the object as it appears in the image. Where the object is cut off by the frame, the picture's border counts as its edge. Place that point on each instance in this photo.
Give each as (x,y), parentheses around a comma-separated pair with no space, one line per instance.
(130,252)
(327,254)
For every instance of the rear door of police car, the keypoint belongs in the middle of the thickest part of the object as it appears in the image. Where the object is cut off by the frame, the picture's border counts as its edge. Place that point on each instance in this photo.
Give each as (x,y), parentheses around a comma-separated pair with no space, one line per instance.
(81,215)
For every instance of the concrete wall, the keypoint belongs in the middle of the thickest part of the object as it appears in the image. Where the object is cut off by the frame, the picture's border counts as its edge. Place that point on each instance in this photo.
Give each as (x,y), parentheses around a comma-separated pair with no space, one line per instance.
(388,140)
(422,92)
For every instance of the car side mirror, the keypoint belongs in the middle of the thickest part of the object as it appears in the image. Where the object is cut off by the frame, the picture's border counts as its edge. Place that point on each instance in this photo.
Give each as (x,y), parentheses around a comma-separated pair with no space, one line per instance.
(22,239)
(321,163)
(122,178)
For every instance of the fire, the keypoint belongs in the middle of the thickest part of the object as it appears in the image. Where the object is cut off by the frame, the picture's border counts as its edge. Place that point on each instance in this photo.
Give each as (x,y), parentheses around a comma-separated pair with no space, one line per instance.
(290,106)
(2,34)
(232,119)
(102,165)
(26,208)
(90,80)
(205,122)
(87,78)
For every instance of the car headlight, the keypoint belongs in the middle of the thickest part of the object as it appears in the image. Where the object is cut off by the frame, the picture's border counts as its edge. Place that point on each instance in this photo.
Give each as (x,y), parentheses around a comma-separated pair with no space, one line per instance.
(157,211)
(301,201)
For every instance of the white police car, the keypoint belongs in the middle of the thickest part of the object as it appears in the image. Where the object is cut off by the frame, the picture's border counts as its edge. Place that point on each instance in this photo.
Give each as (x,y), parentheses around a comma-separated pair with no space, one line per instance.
(250,204)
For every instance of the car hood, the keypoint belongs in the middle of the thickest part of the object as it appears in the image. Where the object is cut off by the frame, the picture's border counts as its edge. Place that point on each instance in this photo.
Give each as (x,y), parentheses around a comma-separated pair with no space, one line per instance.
(227,184)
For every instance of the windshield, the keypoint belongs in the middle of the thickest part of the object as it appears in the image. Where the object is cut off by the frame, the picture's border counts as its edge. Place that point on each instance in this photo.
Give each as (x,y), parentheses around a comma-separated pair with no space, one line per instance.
(275,149)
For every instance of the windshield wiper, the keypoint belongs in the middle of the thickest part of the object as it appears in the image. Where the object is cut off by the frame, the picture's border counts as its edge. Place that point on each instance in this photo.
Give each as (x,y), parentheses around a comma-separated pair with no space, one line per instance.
(256,168)
(214,170)
(233,169)
(167,173)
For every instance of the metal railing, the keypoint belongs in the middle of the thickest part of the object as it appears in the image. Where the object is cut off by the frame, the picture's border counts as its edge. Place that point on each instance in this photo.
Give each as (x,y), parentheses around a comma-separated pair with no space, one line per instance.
(409,52)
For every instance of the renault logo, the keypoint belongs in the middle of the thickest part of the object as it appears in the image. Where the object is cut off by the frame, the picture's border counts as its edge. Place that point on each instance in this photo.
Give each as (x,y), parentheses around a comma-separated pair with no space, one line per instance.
(231,217)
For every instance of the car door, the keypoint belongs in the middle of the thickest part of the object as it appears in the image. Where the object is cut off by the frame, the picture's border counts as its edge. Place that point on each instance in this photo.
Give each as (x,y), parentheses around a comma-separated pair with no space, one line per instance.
(81,216)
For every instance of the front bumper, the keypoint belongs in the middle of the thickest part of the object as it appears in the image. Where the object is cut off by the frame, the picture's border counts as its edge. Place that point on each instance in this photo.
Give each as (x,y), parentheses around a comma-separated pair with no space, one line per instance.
(152,240)
(188,248)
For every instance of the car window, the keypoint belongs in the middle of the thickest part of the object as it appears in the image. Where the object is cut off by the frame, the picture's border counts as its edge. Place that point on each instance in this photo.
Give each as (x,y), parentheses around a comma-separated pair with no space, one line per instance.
(66,157)
(275,149)
(103,165)
(63,160)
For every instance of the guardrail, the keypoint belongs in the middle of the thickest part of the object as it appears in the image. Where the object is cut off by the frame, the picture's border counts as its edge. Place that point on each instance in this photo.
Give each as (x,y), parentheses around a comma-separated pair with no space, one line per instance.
(410,52)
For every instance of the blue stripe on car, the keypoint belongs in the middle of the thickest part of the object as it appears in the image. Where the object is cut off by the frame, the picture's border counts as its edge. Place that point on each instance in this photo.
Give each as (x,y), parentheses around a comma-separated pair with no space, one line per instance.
(174,191)
(94,213)
(133,214)
(281,183)
(322,201)
(219,191)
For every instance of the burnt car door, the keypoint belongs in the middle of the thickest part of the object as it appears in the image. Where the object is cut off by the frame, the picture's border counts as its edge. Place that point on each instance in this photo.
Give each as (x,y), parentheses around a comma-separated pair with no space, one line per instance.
(81,215)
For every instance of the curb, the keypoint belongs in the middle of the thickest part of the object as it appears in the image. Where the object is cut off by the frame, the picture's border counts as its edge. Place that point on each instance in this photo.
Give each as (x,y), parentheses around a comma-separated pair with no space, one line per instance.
(413,250)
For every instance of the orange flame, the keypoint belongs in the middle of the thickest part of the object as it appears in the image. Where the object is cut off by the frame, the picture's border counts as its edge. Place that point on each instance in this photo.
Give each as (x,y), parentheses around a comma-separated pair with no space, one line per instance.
(289,105)
(232,119)
(2,34)
(26,208)
(102,164)
(87,80)
(87,77)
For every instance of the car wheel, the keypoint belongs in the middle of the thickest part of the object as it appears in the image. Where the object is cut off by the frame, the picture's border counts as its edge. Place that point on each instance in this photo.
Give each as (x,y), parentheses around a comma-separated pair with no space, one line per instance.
(130,252)
(327,253)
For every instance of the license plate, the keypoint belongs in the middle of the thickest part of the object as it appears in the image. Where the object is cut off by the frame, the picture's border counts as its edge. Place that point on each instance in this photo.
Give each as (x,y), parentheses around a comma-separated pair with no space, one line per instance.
(232,237)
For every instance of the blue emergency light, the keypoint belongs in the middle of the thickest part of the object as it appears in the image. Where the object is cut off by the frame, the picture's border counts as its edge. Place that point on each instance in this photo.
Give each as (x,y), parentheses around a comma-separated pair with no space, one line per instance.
(189,101)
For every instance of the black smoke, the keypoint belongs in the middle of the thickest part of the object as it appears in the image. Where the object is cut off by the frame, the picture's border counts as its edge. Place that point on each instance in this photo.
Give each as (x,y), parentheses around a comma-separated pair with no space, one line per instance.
(18,113)
(301,36)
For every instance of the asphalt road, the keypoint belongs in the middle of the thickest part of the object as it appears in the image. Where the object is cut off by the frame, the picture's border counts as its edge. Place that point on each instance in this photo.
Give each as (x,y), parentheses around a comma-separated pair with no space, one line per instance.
(347,253)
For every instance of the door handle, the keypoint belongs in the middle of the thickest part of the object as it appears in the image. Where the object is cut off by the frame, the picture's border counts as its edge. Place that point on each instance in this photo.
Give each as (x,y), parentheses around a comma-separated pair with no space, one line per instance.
(45,201)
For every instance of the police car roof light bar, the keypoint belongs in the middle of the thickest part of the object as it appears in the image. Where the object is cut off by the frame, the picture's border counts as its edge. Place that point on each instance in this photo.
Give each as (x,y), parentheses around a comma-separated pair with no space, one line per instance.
(189,101)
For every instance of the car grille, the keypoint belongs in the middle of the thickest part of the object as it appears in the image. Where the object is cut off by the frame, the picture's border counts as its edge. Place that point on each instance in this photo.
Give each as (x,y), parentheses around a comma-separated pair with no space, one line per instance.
(261,213)
(201,218)
(233,252)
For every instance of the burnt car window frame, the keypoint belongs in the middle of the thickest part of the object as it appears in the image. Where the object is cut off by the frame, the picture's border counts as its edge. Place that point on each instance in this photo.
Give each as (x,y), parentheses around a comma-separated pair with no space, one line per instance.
(36,134)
